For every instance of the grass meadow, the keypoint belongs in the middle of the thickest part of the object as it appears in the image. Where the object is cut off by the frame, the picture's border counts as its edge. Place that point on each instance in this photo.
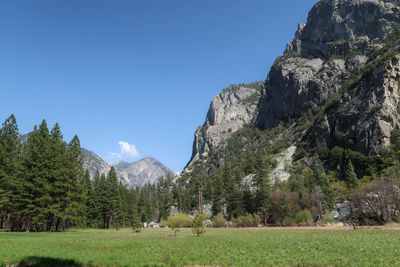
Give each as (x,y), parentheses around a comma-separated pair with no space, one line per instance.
(218,247)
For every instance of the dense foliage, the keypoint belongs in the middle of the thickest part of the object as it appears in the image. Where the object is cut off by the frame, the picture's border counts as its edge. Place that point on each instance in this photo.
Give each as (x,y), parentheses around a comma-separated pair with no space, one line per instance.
(43,186)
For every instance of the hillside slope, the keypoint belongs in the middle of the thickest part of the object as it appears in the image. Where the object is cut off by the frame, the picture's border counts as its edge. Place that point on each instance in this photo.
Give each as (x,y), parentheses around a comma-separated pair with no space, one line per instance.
(336,49)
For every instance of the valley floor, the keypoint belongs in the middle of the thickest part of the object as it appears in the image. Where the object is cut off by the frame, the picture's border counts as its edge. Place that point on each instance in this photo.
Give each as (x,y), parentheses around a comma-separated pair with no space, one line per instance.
(218,247)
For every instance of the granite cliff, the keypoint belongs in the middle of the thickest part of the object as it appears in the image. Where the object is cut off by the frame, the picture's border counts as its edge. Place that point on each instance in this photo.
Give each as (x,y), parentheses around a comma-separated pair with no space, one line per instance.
(343,64)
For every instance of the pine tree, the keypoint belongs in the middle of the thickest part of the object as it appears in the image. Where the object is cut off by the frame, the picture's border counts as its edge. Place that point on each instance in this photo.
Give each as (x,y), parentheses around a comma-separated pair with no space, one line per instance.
(197,225)
(9,167)
(101,199)
(74,202)
(113,199)
(90,200)
(164,197)
(137,224)
(263,195)
(321,180)
(57,176)
(232,194)
(35,198)
(132,206)
(350,175)
(217,194)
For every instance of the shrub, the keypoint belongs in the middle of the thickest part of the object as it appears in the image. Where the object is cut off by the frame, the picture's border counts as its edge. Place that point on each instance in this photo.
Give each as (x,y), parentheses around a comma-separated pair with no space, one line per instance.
(303,217)
(197,225)
(326,219)
(288,221)
(218,221)
(179,221)
(248,220)
(137,224)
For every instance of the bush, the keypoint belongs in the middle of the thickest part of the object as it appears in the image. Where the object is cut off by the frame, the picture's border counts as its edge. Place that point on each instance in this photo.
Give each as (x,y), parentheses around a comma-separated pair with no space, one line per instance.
(218,221)
(248,220)
(288,221)
(179,221)
(197,225)
(137,224)
(327,219)
(304,218)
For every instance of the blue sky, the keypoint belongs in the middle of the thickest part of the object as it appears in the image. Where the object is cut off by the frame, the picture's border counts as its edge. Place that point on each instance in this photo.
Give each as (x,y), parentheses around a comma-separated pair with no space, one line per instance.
(134,78)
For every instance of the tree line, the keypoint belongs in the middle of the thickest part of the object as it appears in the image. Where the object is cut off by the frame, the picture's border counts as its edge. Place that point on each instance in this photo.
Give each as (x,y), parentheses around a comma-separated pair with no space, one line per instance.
(44,187)
(40,180)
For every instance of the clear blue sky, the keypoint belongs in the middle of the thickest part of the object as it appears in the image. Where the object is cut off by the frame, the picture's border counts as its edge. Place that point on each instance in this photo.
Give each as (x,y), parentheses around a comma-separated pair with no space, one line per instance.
(142,72)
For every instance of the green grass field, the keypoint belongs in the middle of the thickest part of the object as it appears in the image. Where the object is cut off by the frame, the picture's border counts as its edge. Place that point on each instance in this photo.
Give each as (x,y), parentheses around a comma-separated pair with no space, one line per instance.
(222,247)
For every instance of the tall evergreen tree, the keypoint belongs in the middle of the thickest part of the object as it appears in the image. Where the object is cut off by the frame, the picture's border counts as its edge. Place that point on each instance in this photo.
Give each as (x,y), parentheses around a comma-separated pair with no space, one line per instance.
(113,199)
(90,203)
(36,199)
(217,195)
(74,202)
(57,176)
(321,180)
(9,166)
(263,195)
(350,175)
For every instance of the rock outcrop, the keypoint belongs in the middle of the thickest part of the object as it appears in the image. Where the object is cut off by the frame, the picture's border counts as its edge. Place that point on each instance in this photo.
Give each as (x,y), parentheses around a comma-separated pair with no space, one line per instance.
(330,48)
(228,112)
(284,160)
(365,116)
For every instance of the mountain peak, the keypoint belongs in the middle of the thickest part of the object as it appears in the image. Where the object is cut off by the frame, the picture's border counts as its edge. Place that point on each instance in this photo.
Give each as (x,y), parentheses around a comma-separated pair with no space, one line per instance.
(119,164)
(139,173)
(144,171)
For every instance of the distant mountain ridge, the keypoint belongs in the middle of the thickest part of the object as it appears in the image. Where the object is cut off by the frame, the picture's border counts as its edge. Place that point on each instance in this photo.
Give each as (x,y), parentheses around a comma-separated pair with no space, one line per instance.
(144,171)
(139,173)
(94,163)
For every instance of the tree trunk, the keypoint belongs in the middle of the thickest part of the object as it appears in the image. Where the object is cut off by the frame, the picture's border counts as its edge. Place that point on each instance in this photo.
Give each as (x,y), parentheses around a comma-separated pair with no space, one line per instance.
(110,222)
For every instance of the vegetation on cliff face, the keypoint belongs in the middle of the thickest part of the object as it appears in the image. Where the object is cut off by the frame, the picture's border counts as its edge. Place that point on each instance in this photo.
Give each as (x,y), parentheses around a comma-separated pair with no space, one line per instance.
(325,172)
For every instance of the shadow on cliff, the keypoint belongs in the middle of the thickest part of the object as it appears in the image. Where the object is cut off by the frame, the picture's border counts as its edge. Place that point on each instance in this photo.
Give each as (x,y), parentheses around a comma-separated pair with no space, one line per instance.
(47,262)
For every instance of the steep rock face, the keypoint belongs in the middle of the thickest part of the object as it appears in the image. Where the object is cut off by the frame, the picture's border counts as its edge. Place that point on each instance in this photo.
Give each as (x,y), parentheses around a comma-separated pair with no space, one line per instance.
(327,52)
(228,112)
(144,171)
(366,115)
(296,84)
(94,163)
(329,49)
(340,26)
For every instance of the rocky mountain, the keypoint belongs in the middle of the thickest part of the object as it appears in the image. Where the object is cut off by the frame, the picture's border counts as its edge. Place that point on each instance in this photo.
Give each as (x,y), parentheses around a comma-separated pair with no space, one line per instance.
(94,163)
(228,112)
(331,48)
(23,137)
(340,75)
(144,171)
(139,173)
